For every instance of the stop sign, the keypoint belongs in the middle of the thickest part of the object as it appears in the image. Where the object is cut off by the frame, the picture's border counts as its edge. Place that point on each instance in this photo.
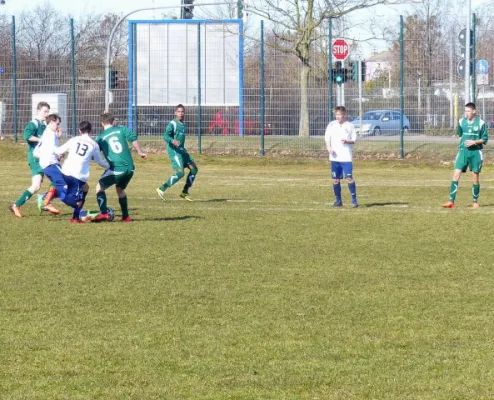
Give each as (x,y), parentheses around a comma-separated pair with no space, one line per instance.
(340,49)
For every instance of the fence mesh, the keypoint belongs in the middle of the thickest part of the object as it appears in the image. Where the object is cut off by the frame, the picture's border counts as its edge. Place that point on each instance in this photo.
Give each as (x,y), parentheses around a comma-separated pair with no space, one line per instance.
(433,91)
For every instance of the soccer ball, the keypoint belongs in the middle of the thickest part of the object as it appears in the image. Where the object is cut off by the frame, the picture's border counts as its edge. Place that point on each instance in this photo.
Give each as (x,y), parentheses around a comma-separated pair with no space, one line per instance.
(111,214)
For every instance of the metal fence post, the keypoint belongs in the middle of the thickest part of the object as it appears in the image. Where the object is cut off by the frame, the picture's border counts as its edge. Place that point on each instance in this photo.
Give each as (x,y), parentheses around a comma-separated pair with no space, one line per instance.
(199,144)
(402,87)
(474,72)
(14,78)
(330,68)
(262,88)
(72,49)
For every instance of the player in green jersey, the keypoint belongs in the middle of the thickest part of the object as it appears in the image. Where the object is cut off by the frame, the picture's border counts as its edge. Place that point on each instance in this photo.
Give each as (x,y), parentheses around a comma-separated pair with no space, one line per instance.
(113,142)
(473,133)
(32,135)
(174,137)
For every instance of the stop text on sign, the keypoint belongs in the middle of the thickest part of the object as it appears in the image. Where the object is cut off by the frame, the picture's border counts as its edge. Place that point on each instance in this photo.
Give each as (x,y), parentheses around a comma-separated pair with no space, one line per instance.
(340,49)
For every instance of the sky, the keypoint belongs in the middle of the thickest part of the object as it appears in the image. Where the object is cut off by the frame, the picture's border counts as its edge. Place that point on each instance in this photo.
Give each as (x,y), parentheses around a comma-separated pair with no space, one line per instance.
(77,8)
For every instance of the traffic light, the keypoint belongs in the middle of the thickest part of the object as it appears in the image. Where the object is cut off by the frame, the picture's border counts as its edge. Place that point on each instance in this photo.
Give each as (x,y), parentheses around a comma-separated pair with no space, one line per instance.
(363,70)
(339,73)
(187,12)
(354,71)
(113,79)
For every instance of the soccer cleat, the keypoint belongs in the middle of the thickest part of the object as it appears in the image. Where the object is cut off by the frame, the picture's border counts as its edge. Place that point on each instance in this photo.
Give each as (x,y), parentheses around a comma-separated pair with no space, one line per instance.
(75,221)
(161,193)
(126,219)
(40,204)
(101,217)
(51,209)
(185,196)
(475,205)
(338,203)
(354,204)
(449,204)
(16,210)
(85,216)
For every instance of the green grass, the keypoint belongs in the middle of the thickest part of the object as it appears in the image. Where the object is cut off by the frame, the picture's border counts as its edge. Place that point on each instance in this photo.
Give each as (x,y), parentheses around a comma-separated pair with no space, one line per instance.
(257,290)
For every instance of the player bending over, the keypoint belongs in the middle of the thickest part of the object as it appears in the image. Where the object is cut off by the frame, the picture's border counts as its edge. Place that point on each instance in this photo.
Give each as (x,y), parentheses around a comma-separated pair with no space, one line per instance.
(340,136)
(81,150)
(174,136)
(113,142)
(473,133)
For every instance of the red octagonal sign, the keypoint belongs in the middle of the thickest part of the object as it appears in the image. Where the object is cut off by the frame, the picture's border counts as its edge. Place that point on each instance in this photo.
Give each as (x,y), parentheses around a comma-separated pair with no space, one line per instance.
(340,49)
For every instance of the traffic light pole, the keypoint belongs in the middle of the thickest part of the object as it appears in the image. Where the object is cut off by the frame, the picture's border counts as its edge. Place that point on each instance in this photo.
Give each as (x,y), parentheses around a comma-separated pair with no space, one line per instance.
(112,33)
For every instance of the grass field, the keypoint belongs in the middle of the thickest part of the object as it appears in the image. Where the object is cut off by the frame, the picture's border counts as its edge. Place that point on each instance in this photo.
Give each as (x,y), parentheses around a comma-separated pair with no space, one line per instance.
(257,290)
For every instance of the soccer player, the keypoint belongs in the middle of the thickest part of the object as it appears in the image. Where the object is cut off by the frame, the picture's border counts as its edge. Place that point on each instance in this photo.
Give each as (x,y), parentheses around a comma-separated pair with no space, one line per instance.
(473,133)
(49,160)
(113,142)
(81,150)
(174,136)
(32,135)
(340,136)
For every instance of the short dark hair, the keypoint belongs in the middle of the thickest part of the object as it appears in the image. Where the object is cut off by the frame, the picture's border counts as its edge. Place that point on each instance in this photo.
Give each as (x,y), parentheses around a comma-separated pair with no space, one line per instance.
(179,106)
(340,108)
(42,104)
(54,118)
(470,105)
(85,127)
(107,118)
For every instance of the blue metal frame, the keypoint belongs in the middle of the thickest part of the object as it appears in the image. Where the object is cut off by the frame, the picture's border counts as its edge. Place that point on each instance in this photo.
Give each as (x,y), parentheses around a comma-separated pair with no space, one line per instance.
(132,93)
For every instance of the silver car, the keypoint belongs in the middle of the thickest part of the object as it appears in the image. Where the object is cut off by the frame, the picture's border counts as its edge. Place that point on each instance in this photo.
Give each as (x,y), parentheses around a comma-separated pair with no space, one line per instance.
(381,122)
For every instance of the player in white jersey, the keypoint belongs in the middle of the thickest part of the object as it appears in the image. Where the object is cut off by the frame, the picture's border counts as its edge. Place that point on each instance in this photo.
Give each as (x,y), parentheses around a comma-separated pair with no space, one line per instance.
(340,136)
(81,151)
(49,161)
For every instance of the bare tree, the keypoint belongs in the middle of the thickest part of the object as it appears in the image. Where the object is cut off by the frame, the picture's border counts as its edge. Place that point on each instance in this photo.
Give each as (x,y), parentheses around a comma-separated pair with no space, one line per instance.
(296,25)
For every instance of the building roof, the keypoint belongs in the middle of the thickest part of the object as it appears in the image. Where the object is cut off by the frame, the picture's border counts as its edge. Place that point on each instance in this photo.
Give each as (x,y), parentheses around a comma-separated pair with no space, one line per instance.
(383,56)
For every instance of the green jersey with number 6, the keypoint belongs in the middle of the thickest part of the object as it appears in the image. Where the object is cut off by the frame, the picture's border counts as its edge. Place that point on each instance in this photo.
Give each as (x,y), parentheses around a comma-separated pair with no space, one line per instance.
(113,142)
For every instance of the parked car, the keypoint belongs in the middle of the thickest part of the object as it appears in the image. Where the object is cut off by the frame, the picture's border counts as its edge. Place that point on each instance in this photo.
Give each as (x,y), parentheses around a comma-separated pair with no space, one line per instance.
(381,122)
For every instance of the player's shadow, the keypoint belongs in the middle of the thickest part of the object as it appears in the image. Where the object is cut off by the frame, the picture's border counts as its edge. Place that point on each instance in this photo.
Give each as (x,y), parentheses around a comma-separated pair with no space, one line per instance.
(181,218)
(215,201)
(384,204)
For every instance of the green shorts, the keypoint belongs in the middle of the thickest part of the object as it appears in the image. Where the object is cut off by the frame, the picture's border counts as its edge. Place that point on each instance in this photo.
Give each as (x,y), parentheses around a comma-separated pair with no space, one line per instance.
(471,159)
(179,160)
(34,166)
(119,178)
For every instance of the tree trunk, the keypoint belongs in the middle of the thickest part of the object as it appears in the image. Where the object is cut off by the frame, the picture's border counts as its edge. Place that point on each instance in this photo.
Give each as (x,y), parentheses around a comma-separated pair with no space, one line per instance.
(304,128)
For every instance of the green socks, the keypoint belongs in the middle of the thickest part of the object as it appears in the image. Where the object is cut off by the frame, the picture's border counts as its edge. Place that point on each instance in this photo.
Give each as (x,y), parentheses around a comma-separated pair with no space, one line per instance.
(25,197)
(476,193)
(452,191)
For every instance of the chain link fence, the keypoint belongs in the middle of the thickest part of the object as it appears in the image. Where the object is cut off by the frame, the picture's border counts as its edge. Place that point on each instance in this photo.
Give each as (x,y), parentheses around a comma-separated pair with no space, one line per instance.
(286,93)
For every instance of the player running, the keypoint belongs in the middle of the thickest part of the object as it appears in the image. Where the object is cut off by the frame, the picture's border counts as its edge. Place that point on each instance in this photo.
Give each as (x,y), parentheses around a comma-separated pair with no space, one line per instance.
(32,135)
(340,136)
(113,142)
(174,136)
(473,133)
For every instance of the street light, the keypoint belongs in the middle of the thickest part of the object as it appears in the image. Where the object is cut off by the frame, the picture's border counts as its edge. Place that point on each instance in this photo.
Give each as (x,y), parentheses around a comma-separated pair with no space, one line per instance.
(110,39)
(467,51)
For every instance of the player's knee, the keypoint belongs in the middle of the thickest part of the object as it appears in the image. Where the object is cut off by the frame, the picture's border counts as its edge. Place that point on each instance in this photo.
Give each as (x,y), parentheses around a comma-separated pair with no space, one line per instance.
(336,181)
(180,173)
(120,192)
(194,170)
